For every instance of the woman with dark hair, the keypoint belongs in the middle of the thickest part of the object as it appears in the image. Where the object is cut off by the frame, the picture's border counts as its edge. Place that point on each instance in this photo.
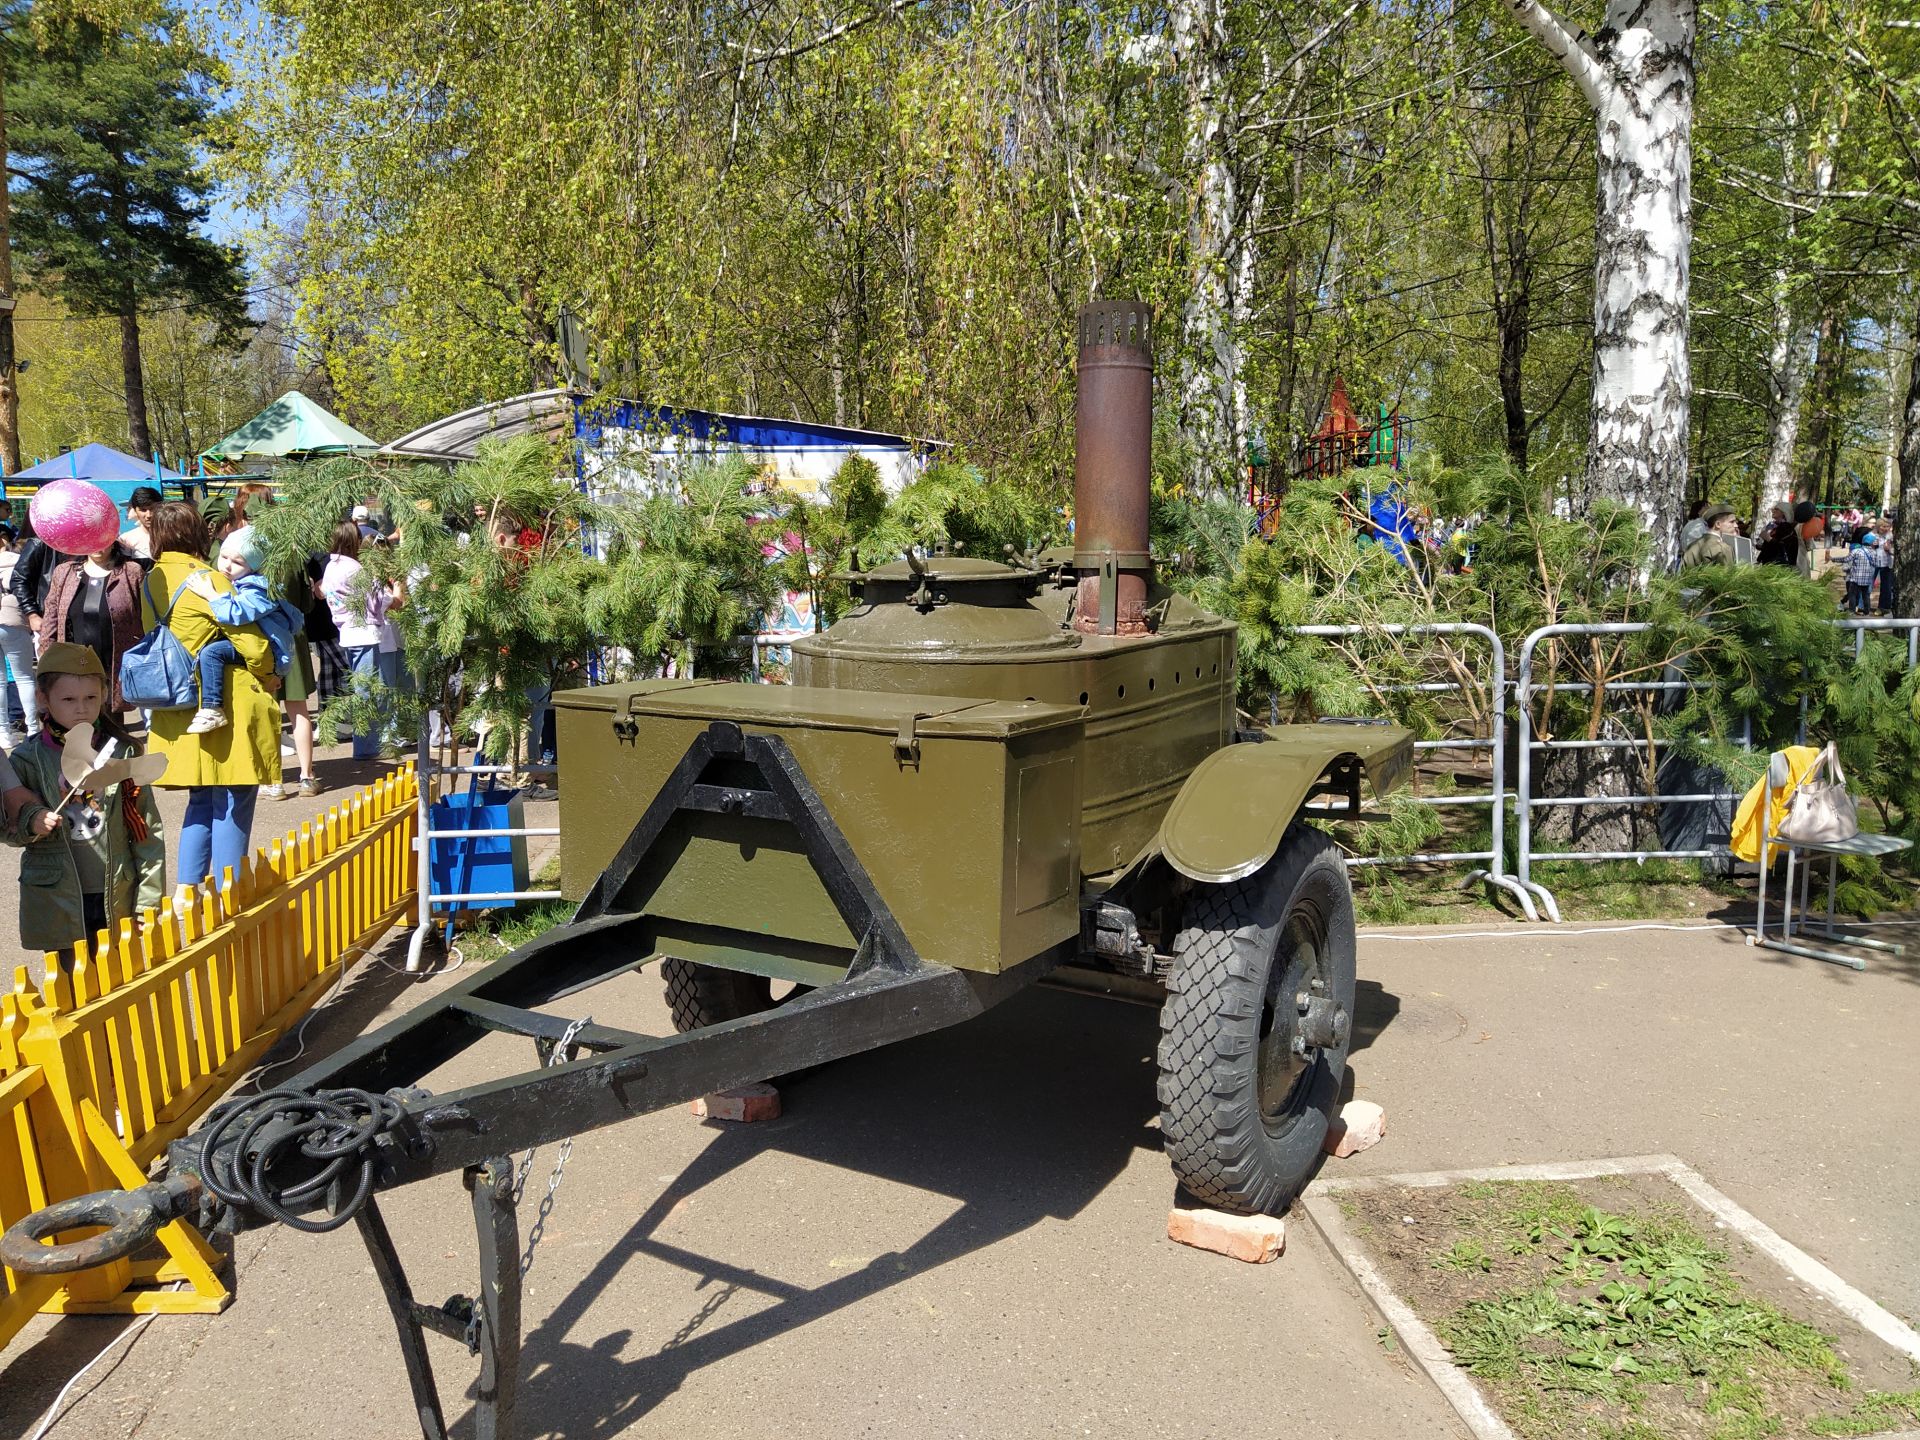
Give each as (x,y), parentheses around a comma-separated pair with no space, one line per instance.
(358,603)
(221,770)
(95,602)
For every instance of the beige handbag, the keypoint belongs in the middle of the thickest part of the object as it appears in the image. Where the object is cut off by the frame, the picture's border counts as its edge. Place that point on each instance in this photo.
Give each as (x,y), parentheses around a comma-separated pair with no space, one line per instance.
(1821,810)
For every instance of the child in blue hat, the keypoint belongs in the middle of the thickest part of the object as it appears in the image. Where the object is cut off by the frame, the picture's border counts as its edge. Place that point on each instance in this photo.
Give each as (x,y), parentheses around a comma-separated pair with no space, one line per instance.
(250,602)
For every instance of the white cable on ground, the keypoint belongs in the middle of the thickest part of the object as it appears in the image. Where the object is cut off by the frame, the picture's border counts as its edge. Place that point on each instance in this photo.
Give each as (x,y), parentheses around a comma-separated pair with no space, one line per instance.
(54,1413)
(1547,932)
(300,1033)
(1539,931)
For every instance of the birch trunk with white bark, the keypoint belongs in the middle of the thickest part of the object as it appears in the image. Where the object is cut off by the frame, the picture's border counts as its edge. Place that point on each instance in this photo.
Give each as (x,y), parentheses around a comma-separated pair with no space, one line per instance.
(1636,71)
(1793,335)
(1787,362)
(1788,356)
(1901,350)
(1213,390)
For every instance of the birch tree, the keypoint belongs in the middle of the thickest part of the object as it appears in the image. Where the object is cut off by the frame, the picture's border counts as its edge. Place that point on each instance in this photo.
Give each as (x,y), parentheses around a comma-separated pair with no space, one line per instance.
(1636,72)
(1791,349)
(1213,387)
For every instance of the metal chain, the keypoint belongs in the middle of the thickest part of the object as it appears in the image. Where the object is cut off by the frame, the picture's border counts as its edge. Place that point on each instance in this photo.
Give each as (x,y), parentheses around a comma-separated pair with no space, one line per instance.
(562,1053)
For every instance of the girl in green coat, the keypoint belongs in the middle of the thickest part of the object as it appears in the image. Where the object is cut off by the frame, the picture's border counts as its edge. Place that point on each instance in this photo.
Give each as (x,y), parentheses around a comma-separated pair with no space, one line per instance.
(99,858)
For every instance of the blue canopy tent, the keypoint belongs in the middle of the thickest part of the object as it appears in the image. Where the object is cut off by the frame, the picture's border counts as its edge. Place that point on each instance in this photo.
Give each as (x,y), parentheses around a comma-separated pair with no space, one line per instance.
(114,471)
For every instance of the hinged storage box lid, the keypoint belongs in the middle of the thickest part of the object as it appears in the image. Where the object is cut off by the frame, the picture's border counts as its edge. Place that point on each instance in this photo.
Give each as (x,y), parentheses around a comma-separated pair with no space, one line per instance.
(805,707)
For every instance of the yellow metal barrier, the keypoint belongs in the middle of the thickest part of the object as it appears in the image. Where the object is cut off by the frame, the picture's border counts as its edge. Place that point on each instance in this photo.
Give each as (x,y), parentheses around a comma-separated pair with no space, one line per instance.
(118,1054)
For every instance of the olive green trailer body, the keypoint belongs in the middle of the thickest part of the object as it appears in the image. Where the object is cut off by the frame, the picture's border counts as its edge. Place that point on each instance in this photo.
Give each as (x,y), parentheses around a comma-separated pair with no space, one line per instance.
(964,812)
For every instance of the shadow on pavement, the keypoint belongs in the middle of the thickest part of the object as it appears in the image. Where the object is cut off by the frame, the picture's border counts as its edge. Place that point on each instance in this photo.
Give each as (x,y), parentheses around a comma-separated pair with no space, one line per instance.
(1374,1009)
(1023,1115)
(36,1375)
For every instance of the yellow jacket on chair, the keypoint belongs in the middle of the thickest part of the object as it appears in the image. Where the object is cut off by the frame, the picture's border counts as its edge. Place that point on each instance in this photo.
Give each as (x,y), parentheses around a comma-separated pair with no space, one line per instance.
(1745,841)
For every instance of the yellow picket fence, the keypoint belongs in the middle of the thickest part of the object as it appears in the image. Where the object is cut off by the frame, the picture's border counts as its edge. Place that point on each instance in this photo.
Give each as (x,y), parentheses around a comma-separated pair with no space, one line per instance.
(116,1055)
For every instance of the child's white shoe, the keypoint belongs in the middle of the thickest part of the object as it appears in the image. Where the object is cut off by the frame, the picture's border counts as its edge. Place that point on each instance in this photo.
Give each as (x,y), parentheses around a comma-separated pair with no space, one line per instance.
(205,720)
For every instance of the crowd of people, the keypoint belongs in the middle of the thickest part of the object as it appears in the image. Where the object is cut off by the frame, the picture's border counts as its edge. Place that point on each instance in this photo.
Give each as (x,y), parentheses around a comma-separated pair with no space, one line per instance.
(1861,545)
(258,644)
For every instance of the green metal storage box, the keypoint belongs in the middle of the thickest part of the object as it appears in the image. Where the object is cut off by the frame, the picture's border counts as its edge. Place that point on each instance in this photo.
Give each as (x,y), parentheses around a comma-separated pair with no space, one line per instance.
(964,812)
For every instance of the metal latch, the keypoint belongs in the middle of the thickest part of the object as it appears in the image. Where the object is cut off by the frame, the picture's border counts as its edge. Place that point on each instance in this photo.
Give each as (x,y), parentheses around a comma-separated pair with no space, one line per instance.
(906,744)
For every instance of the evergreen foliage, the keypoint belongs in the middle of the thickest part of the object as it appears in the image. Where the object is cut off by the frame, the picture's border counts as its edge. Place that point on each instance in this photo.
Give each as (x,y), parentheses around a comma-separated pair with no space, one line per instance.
(686,574)
(955,506)
(821,542)
(104,130)
(503,599)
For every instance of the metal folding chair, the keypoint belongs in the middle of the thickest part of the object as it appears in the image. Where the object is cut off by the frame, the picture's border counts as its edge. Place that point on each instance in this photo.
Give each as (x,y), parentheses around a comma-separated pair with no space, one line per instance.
(1780,777)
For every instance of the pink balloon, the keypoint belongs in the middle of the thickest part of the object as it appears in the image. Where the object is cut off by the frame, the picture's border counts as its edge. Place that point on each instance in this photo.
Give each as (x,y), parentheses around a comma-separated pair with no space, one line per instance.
(74,517)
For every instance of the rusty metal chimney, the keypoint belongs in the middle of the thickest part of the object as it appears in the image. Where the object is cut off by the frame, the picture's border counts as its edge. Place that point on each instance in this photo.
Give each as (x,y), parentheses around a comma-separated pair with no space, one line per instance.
(1113,440)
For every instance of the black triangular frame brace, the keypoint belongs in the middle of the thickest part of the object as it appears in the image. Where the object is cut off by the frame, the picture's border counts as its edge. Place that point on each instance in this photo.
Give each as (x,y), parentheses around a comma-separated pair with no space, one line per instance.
(487,1324)
(784,794)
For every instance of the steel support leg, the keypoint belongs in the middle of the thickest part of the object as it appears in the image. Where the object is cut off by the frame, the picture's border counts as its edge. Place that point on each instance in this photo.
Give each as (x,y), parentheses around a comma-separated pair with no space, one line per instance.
(490,1327)
(499,1231)
(406,1319)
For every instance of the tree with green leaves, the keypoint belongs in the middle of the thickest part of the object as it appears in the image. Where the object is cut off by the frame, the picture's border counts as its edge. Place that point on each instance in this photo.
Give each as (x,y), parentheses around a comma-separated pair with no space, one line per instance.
(1636,71)
(104,132)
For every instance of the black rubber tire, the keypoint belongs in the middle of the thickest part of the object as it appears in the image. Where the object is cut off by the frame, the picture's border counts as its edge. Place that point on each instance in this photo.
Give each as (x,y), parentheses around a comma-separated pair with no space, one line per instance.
(700,995)
(1231,1145)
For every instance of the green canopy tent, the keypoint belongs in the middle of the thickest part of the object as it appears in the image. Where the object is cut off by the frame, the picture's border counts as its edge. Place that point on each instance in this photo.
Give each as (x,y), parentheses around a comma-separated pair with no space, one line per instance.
(291,426)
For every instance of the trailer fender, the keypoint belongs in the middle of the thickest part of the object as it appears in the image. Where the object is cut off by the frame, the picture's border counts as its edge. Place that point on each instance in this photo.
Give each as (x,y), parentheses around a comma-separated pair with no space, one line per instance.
(1228,818)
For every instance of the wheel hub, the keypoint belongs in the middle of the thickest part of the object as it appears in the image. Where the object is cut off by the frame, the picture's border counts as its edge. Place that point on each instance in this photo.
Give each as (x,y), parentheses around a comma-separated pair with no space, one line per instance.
(1299,1019)
(1324,1022)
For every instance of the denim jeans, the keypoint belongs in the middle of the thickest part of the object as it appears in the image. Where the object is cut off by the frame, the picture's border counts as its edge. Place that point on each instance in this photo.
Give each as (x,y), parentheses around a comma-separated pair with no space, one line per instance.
(365,660)
(540,699)
(216,833)
(16,643)
(387,666)
(216,657)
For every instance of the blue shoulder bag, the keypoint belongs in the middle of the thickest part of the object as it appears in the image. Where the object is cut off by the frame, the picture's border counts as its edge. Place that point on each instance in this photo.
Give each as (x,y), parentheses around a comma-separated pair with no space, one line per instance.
(157,672)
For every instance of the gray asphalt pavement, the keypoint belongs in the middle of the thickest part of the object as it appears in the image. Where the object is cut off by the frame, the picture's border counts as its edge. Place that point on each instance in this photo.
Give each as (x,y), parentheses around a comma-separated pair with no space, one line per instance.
(963,1235)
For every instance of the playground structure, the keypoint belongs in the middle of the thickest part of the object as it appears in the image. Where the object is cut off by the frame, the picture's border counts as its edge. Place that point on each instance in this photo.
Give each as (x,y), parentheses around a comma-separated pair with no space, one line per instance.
(1342,442)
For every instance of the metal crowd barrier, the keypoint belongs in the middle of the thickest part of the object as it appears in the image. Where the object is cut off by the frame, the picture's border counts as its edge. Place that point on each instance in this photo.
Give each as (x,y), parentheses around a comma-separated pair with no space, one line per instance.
(1525,802)
(425,835)
(1494,871)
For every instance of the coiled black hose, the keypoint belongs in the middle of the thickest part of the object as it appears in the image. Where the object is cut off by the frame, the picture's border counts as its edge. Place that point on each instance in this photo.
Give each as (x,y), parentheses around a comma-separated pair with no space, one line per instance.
(335,1130)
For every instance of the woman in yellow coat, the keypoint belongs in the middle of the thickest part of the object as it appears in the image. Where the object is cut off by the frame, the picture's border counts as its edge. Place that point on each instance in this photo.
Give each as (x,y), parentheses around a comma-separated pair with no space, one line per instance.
(222,770)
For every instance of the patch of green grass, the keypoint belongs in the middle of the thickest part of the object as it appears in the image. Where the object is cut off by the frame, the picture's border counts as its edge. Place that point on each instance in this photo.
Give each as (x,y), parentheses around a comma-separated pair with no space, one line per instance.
(1465,1255)
(1599,890)
(1878,1410)
(1383,898)
(1624,1304)
(503,931)
(1625,890)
